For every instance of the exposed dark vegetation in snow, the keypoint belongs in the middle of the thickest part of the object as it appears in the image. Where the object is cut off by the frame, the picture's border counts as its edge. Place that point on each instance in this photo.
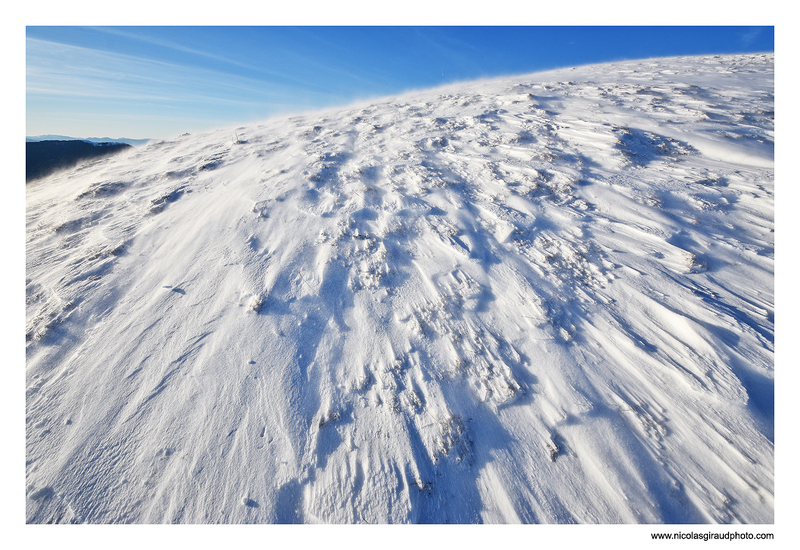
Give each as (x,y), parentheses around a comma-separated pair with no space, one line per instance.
(42,158)
(98,140)
(546,298)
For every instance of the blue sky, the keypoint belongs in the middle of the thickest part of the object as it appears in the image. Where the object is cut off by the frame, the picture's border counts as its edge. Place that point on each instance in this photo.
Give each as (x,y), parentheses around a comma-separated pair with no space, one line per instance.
(157,82)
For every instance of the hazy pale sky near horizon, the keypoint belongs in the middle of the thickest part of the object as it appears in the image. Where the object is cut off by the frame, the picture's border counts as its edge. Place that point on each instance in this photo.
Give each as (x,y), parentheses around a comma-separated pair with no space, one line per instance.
(156,82)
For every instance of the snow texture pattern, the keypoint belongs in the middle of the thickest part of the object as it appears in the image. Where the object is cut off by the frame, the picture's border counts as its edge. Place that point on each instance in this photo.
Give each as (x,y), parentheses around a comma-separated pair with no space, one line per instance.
(546,298)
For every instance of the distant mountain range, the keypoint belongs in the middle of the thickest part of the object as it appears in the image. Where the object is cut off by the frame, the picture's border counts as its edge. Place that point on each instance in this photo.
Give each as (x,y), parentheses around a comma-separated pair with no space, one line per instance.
(53,137)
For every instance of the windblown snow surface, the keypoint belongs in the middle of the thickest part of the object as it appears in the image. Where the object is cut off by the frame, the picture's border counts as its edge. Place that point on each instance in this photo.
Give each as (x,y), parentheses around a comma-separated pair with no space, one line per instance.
(546,298)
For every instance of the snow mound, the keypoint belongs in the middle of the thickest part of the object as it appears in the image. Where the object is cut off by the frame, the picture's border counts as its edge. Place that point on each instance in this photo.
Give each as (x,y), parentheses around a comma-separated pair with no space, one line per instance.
(546,298)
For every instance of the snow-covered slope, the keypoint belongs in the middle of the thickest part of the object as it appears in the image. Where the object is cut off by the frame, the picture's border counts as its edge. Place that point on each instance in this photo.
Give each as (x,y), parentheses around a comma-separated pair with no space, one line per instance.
(546,298)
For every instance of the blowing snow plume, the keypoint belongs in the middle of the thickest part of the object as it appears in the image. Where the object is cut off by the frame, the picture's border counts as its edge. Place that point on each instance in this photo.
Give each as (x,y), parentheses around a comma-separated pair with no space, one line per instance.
(545,299)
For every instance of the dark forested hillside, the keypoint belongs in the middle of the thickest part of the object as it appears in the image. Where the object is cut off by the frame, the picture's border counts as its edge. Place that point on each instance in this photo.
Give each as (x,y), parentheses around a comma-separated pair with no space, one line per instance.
(45,157)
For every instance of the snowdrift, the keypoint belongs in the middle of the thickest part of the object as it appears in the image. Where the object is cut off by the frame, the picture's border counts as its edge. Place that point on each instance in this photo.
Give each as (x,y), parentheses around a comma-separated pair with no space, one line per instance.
(546,298)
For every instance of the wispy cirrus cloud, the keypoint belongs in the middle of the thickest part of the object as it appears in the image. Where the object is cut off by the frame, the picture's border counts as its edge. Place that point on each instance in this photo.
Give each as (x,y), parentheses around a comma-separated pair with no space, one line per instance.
(56,69)
(749,37)
(68,77)
(178,47)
